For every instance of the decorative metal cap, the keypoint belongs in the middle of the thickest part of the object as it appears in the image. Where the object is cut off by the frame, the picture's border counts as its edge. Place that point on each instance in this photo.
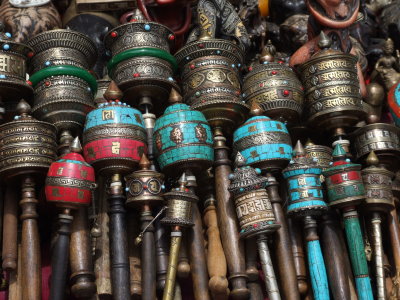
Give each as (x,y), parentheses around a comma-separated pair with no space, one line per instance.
(372,159)
(174,97)
(324,41)
(245,178)
(113,93)
(338,153)
(144,163)
(268,53)
(76,146)
(137,15)
(255,109)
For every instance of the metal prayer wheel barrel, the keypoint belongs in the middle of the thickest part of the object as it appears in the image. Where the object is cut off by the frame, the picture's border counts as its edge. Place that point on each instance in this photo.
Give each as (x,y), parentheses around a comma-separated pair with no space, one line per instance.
(70,181)
(142,65)
(183,140)
(274,87)
(64,88)
(114,138)
(264,143)
(211,82)
(343,180)
(321,154)
(378,186)
(13,68)
(27,146)
(381,138)
(304,186)
(332,90)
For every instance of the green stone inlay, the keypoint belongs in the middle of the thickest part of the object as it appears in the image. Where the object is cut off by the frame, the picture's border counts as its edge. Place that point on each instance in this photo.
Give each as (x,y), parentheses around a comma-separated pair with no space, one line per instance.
(338,151)
(356,246)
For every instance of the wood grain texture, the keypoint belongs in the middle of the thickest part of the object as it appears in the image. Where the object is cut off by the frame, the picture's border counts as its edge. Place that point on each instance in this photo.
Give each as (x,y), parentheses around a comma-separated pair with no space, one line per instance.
(227,219)
(10,227)
(30,243)
(135,263)
(148,256)
(82,275)
(252,272)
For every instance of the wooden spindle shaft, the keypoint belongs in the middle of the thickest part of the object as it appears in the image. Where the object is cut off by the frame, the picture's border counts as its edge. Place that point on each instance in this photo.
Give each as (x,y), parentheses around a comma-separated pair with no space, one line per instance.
(394,231)
(30,243)
(216,261)
(59,261)
(183,270)
(148,256)
(332,247)
(10,227)
(135,262)
(227,219)
(283,246)
(120,275)
(161,255)
(82,275)
(298,255)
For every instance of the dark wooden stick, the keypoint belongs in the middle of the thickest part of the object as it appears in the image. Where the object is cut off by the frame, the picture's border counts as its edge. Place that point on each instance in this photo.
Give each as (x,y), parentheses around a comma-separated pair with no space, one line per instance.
(120,278)
(298,256)
(162,249)
(15,283)
(394,230)
(135,263)
(252,272)
(227,219)
(332,247)
(283,249)
(59,261)
(197,253)
(30,245)
(148,256)
(10,227)
(82,275)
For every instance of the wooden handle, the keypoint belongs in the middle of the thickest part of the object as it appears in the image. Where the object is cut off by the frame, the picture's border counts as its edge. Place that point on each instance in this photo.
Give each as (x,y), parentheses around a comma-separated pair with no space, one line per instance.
(82,277)
(148,258)
(227,219)
(135,263)
(30,243)
(198,257)
(394,231)
(15,281)
(161,256)
(216,261)
(252,270)
(59,261)
(102,247)
(183,270)
(283,247)
(332,247)
(120,276)
(357,254)
(316,264)
(298,256)
(10,227)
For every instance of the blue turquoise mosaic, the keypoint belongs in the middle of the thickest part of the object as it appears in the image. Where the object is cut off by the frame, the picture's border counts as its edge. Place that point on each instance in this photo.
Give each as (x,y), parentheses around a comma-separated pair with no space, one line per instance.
(114,114)
(262,139)
(182,135)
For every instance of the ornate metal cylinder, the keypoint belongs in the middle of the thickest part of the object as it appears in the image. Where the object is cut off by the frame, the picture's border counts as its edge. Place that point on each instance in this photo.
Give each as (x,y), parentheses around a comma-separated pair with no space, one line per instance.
(144,186)
(114,138)
(210,81)
(179,202)
(27,146)
(378,186)
(275,88)
(332,90)
(304,185)
(141,64)
(13,61)
(264,143)
(343,180)
(64,87)
(253,207)
(70,181)
(183,140)
(321,154)
(381,138)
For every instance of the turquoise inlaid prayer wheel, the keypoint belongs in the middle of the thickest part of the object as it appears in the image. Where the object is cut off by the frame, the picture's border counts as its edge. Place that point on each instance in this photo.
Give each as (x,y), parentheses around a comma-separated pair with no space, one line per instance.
(304,186)
(183,140)
(264,143)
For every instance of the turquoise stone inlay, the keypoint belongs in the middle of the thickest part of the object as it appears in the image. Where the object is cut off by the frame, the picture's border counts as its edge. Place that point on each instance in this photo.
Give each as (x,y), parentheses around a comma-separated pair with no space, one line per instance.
(182,135)
(261,139)
(114,114)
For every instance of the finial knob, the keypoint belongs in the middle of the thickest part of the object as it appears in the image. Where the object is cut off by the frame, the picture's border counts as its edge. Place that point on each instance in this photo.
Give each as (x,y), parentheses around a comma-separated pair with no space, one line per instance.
(144,163)
(113,92)
(76,146)
(268,53)
(240,161)
(23,108)
(255,109)
(324,41)
(182,182)
(299,149)
(174,96)
(372,159)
